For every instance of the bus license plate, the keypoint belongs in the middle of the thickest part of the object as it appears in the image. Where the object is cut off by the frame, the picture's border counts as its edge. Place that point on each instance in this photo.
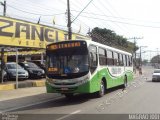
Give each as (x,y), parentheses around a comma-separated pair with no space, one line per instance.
(64,88)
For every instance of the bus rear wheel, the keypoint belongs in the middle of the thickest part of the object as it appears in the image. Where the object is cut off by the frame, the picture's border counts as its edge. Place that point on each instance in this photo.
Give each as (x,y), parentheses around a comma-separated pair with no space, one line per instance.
(69,95)
(102,90)
(125,82)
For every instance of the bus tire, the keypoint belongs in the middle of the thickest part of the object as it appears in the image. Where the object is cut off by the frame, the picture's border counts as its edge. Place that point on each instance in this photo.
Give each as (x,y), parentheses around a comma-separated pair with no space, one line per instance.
(69,95)
(102,89)
(125,82)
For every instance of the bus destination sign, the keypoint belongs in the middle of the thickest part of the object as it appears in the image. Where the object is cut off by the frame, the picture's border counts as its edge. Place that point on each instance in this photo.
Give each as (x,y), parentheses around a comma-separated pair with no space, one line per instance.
(64,45)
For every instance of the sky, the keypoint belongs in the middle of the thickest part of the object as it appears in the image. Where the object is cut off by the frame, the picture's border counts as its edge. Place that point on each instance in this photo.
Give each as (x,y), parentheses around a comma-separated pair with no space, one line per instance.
(129,18)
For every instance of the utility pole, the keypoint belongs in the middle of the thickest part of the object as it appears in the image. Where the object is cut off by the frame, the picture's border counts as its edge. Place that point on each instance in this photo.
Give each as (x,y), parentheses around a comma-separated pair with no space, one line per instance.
(69,18)
(4,7)
(2,49)
(134,51)
(69,21)
(140,59)
(140,55)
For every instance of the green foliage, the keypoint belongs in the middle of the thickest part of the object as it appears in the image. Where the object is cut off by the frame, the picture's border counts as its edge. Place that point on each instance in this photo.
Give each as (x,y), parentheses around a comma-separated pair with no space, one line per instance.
(155,59)
(110,38)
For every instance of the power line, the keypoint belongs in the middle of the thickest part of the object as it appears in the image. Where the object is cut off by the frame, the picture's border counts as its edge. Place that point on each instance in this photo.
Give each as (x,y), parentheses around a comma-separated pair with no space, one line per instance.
(81,11)
(36,8)
(77,6)
(122,28)
(80,22)
(90,13)
(128,30)
(35,20)
(114,21)
(43,6)
(33,13)
(72,16)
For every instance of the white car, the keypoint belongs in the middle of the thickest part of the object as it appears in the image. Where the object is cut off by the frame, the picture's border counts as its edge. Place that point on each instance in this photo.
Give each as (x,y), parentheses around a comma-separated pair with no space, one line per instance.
(11,71)
(156,75)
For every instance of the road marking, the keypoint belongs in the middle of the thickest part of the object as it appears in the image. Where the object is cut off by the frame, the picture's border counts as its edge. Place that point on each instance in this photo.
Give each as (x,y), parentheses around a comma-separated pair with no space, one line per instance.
(8,110)
(75,112)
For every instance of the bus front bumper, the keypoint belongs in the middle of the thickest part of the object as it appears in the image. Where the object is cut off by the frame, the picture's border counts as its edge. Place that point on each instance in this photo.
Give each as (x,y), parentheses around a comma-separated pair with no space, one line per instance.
(84,88)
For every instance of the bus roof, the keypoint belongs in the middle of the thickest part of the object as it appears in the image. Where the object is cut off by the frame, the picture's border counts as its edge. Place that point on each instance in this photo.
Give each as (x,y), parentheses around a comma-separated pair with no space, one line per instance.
(99,45)
(108,47)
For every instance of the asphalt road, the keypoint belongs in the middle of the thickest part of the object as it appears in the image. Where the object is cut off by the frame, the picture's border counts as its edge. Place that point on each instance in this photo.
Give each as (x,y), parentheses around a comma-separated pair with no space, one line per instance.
(141,96)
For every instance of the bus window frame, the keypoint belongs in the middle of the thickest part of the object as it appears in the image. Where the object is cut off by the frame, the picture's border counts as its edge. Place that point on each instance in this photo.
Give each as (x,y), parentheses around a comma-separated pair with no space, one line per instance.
(97,61)
(104,57)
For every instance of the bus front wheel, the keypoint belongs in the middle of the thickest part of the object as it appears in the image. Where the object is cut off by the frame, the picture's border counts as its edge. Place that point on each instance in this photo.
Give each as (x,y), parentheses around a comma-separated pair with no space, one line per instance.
(102,89)
(125,82)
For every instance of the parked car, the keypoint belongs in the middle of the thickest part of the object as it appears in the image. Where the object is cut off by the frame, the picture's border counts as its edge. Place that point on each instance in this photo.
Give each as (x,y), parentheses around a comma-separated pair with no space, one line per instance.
(33,70)
(39,63)
(156,75)
(10,68)
(4,74)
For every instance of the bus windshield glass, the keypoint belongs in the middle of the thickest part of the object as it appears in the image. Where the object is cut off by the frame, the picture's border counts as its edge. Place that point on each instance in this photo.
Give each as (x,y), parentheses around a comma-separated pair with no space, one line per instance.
(68,63)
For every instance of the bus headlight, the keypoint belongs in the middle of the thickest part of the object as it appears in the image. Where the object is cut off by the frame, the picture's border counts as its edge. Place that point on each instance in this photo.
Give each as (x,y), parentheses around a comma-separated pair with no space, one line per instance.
(50,80)
(84,80)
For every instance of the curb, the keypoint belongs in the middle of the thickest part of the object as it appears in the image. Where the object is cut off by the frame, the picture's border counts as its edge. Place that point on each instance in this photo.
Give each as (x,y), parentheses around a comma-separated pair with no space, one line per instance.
(12,86)
(38,83)
(7,87)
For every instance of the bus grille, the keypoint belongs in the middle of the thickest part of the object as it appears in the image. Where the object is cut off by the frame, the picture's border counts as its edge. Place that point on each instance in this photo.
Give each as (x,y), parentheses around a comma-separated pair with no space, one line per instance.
(64,83)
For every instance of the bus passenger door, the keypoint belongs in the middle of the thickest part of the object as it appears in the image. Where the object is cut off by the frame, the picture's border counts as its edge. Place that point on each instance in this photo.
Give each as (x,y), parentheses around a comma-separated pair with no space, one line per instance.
(93,62)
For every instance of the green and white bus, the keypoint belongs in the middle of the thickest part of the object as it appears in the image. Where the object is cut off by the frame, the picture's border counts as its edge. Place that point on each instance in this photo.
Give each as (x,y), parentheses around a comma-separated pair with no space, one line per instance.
(84,66)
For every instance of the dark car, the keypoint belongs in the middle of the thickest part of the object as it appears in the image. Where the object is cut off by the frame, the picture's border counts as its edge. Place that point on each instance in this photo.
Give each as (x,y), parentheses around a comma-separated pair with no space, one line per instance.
(39,63)
(33,70)
(10,68)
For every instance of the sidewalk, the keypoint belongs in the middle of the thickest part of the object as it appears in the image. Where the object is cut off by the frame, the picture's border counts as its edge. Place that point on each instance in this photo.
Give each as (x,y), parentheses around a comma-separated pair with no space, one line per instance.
(11,85)
(135,75)
(19,93)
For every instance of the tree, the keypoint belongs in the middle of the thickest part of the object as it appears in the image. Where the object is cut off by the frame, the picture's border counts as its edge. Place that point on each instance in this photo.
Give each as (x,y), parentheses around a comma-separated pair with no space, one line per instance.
(110,38)
(155,59)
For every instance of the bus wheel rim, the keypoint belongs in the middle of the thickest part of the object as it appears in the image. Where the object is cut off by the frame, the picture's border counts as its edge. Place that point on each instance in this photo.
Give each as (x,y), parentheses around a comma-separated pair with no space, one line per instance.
(125,83)
(102,88)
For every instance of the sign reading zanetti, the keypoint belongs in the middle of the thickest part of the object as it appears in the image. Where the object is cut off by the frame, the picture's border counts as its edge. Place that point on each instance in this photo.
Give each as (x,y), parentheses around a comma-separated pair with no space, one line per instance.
(15,32)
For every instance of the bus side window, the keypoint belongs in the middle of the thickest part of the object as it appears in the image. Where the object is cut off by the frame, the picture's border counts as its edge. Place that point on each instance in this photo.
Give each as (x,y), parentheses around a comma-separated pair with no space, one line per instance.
(93,58)
(131,60)
(116,62)
(127,60)
(121,60)
(102,56)
(110,60)
(124,60)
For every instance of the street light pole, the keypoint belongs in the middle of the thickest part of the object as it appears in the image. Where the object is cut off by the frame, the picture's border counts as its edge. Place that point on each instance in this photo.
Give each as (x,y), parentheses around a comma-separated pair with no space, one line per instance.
(134,50)
(69,21)
(140,55)
(140,59)
(2,49)
(16,68)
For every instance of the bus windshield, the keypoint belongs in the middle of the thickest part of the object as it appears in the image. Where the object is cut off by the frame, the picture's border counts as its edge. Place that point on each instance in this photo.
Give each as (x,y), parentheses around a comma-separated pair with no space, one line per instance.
(68,63)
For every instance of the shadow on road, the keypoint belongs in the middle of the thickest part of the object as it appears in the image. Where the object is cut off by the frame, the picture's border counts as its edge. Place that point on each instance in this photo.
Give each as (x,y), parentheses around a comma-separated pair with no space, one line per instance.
(62,101)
